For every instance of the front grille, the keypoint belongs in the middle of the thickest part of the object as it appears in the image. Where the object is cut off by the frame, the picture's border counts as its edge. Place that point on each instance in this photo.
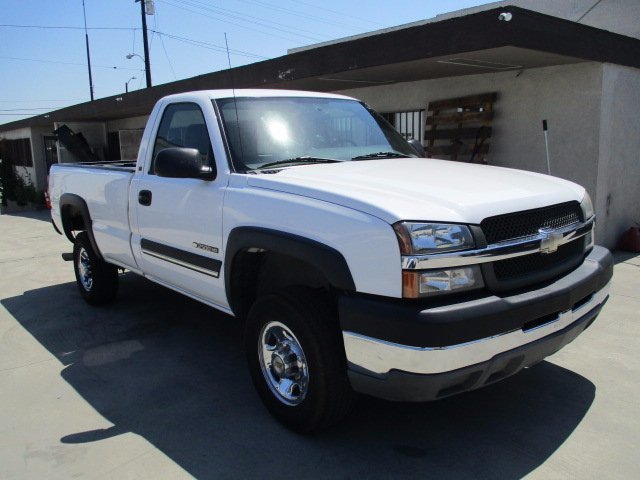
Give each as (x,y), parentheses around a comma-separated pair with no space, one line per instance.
(527,223)
(519,272)
(514,268)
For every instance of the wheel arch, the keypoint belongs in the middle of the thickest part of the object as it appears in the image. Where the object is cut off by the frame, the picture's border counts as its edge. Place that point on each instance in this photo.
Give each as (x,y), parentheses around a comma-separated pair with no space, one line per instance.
(74,214)
(240,269)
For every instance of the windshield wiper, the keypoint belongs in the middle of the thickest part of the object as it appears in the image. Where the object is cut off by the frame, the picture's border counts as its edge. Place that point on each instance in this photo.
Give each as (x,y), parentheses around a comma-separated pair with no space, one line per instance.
(379,155)
(297,161)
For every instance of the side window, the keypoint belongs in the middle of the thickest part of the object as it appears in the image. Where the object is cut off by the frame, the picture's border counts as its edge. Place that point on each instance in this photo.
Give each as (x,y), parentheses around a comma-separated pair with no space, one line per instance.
(183,125)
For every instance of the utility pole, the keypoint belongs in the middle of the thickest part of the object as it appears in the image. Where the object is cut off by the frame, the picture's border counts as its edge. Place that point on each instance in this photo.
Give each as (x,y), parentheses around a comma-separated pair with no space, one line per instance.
(147,63)
(86,38)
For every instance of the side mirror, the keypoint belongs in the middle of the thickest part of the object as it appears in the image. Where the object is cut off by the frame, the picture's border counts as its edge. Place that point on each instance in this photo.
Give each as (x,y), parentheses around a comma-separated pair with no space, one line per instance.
(417,146)
(182,163)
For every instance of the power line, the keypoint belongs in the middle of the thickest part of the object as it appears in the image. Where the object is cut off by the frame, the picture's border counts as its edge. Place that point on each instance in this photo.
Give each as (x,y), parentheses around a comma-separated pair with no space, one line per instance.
(371,22)
(64,27)
(298,13)
(248,18)
(210,46)
(42,60)
(230,12)
(4,100)
(255,20)
(588,11)
(25,109)
(174,37)
(156,21)
(290,39)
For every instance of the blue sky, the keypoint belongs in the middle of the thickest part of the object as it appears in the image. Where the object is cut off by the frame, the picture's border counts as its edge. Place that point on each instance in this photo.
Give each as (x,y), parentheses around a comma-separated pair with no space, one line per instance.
(45,68)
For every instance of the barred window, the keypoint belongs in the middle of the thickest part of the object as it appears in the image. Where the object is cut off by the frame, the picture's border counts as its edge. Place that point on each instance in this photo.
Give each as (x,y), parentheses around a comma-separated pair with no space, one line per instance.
(17,152)
(409,123)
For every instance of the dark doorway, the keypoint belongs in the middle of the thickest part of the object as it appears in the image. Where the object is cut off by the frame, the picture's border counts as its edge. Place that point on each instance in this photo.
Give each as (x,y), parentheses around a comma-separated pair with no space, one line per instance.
(50,151)
(114,145)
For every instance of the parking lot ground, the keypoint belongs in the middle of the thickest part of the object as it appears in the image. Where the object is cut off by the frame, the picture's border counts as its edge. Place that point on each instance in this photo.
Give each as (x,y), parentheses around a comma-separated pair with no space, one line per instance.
(155,386)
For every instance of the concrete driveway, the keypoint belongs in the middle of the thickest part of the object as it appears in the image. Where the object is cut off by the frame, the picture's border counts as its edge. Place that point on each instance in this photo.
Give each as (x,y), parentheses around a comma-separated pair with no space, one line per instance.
(155,386)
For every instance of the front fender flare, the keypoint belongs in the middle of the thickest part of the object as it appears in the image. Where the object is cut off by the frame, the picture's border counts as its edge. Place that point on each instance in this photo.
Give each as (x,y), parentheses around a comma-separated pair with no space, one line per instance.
(325,259)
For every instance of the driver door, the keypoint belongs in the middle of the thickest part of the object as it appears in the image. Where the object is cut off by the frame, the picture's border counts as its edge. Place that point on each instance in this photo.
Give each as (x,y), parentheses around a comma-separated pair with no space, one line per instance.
(179,220)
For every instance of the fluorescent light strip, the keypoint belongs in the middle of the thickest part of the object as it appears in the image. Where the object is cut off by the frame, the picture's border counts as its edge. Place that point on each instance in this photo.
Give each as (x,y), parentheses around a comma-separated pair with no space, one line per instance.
(480,64)
(326,79)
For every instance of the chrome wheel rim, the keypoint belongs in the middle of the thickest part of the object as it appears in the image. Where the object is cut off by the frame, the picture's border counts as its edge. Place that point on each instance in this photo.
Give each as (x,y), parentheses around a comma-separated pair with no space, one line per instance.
(84,270)
(283,363)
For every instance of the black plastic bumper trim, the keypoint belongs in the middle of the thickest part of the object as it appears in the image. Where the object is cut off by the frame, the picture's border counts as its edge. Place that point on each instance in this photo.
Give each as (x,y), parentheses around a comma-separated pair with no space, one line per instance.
(443,324)
(410,387)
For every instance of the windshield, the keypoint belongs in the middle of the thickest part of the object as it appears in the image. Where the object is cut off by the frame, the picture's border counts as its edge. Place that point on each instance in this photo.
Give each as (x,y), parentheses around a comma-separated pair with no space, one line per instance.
(283,131)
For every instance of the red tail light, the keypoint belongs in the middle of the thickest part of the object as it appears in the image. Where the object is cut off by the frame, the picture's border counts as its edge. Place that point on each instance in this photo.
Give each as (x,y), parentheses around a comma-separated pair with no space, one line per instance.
(47,199)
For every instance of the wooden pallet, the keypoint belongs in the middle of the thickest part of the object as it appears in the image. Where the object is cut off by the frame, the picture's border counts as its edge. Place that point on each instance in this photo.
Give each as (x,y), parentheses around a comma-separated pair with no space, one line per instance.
(460,128)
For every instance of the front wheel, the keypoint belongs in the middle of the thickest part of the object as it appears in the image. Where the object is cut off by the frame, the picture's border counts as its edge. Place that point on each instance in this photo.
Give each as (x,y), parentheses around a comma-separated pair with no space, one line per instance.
(297,361)
(97,280)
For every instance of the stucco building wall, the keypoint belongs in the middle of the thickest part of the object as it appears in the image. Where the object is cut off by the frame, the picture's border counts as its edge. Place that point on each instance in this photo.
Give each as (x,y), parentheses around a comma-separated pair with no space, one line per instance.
(618,190)
(569,97)
(132,123)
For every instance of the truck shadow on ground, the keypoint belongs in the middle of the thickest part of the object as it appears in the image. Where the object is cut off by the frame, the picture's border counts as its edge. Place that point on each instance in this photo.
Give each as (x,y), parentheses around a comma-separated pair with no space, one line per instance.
(172,370)
(42,215)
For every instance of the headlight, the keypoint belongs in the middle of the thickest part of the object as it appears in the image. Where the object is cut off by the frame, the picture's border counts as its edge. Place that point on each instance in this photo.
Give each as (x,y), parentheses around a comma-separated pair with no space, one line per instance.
(587,207)
(430,283)
(587,212)
(421,238)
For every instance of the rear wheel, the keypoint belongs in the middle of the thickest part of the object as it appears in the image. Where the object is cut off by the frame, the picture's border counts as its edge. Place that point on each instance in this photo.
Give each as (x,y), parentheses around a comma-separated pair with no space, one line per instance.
(296,359)
(97,280)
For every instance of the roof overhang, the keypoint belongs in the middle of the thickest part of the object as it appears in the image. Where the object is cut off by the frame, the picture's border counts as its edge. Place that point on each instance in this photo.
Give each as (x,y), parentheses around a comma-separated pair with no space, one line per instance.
(458,46)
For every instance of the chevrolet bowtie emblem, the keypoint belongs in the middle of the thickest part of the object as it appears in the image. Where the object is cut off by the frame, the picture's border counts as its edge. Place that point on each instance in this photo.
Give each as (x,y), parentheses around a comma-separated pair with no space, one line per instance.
(550,240)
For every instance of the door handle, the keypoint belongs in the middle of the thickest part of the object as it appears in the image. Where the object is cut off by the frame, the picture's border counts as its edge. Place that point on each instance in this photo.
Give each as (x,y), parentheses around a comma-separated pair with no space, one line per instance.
(144,197)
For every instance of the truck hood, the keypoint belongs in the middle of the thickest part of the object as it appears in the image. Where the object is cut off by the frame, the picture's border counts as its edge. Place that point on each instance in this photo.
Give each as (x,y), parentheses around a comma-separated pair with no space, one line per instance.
(422,189)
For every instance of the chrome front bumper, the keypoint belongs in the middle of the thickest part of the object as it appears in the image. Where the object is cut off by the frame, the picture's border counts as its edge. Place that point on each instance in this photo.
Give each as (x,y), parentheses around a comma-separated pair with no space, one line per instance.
(378,357)
(420,351)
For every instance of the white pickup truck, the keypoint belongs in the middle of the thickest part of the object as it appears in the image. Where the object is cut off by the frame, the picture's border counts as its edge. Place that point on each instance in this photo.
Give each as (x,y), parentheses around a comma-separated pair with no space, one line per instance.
(355,264)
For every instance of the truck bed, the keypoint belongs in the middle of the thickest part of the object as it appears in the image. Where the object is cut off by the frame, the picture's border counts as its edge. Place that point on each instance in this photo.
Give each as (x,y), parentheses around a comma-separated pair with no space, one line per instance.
(104,187)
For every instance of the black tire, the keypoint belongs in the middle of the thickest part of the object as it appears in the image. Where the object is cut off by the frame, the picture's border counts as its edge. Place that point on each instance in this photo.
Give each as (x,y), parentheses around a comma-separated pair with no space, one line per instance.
(98,283)
(309,318)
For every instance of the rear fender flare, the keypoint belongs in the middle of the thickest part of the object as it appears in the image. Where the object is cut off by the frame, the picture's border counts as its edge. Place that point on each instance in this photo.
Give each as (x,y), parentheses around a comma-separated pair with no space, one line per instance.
(71,204)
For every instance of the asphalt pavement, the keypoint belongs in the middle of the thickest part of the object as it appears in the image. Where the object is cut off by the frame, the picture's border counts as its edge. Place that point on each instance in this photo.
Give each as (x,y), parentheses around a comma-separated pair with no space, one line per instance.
(155,386)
